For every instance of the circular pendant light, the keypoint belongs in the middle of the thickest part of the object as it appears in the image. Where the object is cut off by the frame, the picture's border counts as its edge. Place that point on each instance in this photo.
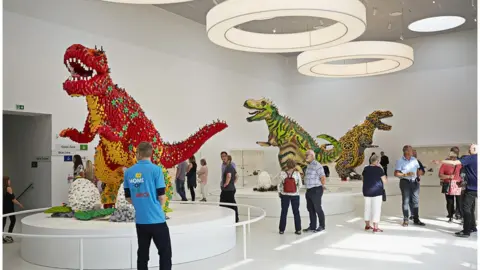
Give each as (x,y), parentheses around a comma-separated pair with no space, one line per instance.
(147,2)
(222,20)
(436,24)
(389,57)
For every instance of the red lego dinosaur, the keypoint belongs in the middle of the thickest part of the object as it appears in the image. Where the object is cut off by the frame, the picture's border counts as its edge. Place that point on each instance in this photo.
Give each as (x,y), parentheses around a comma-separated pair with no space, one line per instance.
(119,121)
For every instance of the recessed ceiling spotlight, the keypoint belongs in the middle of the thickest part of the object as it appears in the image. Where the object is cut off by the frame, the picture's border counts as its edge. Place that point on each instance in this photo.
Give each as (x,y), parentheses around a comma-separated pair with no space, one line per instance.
(396,14)
(321,22)
(433,1)
(374,11)
(435,24)
(274,30)
(389,27)
(401,37)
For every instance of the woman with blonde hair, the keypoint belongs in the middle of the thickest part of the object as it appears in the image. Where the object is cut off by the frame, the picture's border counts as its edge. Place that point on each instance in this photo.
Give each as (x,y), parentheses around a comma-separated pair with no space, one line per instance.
(374,180)
(289,191)
(89,171)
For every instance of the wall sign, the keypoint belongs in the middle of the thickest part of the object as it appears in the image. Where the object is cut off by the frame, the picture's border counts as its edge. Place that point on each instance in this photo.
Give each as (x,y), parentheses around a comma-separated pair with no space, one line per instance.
(65,149)
(43,159)
(34,164)
(68,158)
(20,107)
(83,147)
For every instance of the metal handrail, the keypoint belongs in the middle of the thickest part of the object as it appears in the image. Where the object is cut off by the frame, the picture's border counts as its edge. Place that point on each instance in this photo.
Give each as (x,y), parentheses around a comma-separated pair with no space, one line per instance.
(21,194)
(82,237)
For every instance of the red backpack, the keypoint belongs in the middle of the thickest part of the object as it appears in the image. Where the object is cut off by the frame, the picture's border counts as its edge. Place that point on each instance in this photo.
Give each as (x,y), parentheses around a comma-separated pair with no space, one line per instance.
(289,184)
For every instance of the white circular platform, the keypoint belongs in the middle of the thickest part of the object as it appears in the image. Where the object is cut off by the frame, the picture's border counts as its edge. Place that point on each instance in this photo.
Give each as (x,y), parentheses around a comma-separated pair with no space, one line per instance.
(190,228)
(334,201)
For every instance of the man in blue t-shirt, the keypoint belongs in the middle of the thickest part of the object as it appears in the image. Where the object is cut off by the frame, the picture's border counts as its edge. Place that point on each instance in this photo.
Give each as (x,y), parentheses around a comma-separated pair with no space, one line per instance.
(469,164)
(145,188)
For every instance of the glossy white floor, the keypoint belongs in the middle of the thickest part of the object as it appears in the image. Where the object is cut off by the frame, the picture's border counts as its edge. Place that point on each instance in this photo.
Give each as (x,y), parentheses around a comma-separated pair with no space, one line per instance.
(343,246)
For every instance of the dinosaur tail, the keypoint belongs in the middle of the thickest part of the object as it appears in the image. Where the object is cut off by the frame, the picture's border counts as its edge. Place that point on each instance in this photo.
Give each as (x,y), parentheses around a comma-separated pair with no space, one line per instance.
(175,153)
(330,155)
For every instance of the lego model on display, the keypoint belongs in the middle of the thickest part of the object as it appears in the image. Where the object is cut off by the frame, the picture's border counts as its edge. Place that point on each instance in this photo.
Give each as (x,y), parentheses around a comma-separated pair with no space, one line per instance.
(291,139)
(264,183)
(120,122)
(355,141)
(83,195)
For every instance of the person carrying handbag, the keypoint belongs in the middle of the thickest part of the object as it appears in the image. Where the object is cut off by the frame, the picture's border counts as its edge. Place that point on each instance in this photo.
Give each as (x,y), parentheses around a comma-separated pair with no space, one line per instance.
(451,183)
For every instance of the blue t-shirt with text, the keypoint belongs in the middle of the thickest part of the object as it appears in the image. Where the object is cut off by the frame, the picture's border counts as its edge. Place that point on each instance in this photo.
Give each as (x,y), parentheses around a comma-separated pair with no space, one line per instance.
(143,179)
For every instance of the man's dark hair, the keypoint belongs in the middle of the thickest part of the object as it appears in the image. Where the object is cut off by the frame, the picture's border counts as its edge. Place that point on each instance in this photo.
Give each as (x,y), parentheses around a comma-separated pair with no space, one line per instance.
(144,150)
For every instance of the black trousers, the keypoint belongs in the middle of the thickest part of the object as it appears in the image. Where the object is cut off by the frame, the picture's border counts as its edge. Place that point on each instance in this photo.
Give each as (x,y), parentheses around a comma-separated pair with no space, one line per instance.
(13,219)
(469,211)
(385,168)
(314,207)
(228,196)
(285,201)
(451,209)
(192,192)
(161,238)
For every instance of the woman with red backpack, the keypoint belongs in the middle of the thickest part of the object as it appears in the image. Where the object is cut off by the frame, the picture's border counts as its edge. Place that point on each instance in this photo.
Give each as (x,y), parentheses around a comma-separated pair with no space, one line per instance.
(289,188)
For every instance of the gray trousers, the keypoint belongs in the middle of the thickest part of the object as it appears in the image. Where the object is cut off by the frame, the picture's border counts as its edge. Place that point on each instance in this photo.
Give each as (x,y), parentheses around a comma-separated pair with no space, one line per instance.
(410,198)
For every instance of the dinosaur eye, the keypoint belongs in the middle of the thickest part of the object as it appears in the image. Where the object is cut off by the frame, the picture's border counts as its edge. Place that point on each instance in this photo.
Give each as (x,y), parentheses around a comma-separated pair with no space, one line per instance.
(264,103)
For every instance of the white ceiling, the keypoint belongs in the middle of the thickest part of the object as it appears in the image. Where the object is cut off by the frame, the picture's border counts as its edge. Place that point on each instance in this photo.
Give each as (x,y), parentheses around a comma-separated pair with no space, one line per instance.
(377,25)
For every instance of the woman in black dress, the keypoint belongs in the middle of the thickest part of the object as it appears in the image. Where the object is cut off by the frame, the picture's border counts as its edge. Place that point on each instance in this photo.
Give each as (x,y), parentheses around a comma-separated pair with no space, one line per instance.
(8,201)
(192,176)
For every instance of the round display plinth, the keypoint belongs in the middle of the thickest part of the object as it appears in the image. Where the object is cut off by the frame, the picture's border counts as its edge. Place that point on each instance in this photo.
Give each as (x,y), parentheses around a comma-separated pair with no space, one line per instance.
(190,228)
(334,201)
(391,188)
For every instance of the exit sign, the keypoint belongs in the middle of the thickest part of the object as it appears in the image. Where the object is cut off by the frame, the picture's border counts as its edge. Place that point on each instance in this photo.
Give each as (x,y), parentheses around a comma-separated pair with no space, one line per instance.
(83,147)
(20,107)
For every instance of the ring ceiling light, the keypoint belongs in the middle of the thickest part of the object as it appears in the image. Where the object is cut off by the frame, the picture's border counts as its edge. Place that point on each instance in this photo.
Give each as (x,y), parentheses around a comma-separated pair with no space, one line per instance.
(222,19)
(391,57)
(147,2)
(435,24)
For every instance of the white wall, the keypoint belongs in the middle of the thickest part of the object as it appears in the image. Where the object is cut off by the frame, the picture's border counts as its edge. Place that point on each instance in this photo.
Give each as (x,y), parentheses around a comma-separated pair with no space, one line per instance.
(25,138)
(434,102)
(165,62)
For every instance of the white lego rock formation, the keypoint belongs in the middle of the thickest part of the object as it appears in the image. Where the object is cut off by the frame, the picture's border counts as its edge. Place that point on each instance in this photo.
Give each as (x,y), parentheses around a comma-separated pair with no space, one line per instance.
(124,210)
(83,195)
(264,180)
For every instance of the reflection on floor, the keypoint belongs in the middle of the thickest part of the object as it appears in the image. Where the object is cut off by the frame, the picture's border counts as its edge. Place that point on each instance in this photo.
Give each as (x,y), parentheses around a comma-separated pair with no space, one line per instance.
(344,245)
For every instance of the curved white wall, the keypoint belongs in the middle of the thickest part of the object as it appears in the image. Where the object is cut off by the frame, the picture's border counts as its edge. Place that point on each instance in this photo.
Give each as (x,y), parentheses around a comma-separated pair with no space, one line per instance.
(165,62)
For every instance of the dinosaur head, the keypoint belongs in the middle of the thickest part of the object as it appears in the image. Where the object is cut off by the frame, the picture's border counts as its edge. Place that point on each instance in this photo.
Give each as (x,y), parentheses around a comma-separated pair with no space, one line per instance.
(376,119)
(262,109)
(88,71)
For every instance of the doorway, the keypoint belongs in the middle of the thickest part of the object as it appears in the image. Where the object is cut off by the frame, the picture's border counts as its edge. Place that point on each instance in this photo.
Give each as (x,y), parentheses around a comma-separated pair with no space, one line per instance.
(27,150)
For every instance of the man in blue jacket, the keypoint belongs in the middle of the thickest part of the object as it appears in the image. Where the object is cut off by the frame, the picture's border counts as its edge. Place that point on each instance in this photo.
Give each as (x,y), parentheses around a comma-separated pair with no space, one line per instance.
(145,188)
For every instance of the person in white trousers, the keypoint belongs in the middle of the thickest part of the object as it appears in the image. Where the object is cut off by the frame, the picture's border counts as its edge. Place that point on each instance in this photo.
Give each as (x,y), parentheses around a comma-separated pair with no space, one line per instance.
(202,178)
(373,188)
